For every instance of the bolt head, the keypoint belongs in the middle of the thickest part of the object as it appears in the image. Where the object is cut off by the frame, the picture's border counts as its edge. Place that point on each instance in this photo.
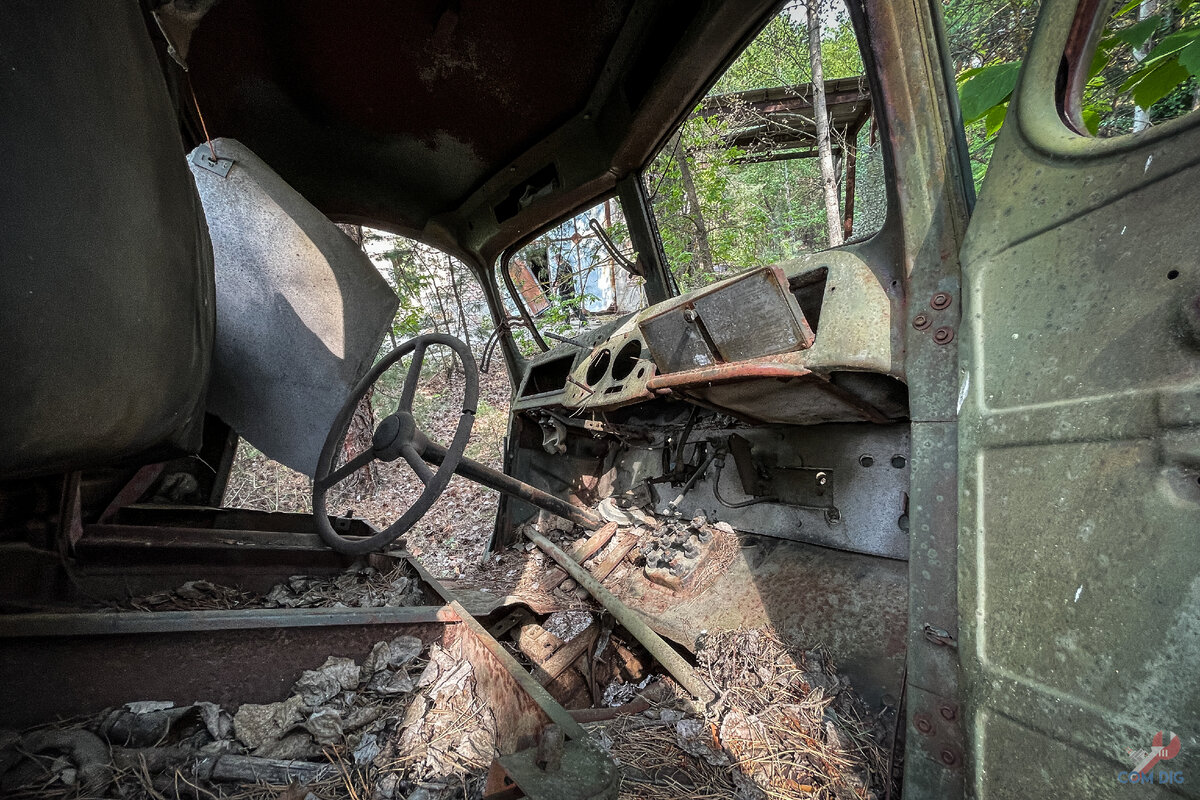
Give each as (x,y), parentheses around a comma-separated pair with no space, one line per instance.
(943,335)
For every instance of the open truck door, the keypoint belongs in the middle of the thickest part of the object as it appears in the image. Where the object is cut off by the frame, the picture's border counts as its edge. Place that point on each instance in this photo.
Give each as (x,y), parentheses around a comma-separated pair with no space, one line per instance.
(1079,455)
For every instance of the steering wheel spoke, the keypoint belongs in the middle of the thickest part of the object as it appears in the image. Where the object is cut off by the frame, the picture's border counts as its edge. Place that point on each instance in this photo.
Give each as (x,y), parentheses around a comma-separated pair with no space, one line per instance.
(411,379)
(418,464)
(395,437)
(346,470)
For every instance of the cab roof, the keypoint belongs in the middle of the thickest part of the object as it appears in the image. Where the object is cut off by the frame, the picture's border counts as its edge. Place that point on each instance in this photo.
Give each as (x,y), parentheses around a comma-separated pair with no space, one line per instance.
(463,123)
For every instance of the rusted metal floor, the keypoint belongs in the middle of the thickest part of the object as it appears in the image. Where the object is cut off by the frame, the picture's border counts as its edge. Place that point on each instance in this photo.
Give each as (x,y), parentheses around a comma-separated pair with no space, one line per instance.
(854,604)
(72,661)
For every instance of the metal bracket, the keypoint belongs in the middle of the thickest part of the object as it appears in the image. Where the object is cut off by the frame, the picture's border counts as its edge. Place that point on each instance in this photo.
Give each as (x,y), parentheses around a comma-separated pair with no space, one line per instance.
(554,434)
(221,166)
(939,636)
(802,487)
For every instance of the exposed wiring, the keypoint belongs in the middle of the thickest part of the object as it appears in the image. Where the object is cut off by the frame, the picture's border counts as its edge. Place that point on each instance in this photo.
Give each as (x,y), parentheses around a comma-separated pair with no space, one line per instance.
(687,431)
(720,463)
(200,114)
(673,506)
(556,337)
(485,363)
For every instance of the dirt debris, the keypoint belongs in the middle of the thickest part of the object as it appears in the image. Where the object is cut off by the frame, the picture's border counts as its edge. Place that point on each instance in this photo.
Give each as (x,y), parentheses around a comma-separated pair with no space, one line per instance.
(344,732)
(784,725)
(357,587)
(407,724)
(566,625)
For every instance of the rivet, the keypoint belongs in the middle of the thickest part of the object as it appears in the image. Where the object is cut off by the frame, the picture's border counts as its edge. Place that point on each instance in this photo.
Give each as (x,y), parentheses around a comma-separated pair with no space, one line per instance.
(948,713)
(943,335)
(922,321)
(940,300)
(923,724)
(949,758)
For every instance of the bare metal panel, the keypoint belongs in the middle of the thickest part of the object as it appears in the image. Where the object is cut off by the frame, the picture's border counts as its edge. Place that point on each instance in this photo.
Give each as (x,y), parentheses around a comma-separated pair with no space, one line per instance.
(300,308)
(840,486)
(747,316)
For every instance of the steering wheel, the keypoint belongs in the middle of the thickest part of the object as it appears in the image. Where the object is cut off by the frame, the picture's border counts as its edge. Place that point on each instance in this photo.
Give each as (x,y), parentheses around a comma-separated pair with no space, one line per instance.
(396,437)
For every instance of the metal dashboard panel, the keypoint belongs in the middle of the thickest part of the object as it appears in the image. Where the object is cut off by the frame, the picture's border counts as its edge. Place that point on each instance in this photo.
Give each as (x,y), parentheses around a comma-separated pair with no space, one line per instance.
(747,316)
(675,342)
(752,316)
(860,332)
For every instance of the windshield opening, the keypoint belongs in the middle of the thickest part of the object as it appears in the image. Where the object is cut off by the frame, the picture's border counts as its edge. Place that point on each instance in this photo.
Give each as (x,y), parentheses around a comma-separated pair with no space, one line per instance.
(573,278)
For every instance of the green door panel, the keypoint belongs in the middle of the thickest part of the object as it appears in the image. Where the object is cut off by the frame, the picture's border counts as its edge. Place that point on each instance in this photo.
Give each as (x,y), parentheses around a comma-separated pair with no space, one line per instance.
(1079,451)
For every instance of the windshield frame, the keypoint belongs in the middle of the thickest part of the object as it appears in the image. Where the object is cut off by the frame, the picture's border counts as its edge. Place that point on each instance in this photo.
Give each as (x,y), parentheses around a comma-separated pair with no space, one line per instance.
(648,265)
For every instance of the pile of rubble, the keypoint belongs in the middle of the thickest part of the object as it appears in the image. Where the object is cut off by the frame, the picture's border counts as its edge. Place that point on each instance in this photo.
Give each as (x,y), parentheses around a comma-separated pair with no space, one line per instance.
(406,723)
(358,587)
(676,551)
(783,725)
(672,557)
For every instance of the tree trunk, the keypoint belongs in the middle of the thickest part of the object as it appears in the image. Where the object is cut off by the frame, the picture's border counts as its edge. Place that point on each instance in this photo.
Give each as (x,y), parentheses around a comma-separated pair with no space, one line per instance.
(1141,116)
(829,183)
(437,294)
(362,424)
(697,215)
(358,439)
(462,316)
(355,232)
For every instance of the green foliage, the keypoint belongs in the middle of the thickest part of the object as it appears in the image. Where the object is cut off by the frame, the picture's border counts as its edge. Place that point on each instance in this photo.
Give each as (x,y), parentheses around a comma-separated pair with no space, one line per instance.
(1123,76)
(741,209)
(1168,65)
(1138,34)
(995,118)
(1149,85)
(564,314)
(778,56)
(983,89)
(410,279)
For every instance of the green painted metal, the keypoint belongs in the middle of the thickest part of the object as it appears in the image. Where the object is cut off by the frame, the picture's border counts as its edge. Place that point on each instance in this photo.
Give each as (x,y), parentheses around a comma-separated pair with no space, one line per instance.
(1079,455)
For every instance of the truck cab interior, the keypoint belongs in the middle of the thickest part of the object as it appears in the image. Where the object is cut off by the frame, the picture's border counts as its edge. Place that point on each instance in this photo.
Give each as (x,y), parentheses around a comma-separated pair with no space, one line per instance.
(910,448)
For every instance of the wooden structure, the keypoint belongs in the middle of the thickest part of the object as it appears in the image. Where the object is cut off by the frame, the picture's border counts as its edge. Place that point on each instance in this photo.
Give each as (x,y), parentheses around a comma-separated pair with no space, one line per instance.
(778,124)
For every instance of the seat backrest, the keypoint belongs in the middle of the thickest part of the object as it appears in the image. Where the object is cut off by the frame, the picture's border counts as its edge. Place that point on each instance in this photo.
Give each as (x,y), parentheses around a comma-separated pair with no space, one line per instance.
(106,283)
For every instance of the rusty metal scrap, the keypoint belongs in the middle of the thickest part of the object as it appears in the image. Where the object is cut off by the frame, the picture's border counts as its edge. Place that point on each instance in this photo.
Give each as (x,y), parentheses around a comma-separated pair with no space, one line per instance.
(676,552)
(655,644)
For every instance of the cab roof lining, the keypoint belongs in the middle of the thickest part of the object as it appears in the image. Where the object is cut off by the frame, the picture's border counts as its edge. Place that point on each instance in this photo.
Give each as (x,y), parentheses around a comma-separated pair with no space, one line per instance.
(422,117)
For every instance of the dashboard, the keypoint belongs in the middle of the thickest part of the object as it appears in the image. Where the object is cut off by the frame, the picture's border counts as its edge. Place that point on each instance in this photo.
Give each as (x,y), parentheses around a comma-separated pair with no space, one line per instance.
(773,344)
